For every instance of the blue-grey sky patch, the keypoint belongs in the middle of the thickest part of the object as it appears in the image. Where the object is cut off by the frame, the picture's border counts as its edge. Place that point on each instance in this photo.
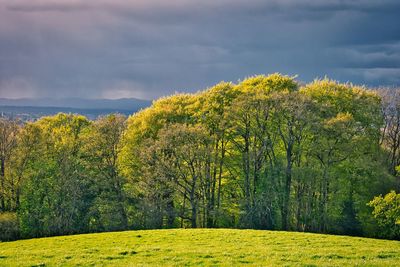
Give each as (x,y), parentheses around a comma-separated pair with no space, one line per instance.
(147,49)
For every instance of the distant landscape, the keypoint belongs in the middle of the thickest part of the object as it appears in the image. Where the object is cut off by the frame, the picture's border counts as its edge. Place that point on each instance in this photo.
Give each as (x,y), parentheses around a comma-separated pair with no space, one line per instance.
(32,109)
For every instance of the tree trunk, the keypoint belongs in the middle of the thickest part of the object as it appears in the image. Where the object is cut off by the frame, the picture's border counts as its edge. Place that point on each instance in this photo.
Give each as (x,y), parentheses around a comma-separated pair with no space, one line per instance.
(170,213)
(246,162)
(288,185)
(221,163)
(194,215)
(193,203)
(324,201)
(2,191)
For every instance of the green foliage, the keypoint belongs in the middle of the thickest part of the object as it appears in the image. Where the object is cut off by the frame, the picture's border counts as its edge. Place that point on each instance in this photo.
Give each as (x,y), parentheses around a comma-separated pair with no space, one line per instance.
(100,150)
(9,197)
(54,199)
(265,153)
(275,156)
(387,213)
(273,83)
(9,226)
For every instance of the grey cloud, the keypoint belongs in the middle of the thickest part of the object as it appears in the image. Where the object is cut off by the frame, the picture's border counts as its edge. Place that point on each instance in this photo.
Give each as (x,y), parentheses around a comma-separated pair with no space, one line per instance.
(371,56)
(374,76)
(153,48)
(59,7)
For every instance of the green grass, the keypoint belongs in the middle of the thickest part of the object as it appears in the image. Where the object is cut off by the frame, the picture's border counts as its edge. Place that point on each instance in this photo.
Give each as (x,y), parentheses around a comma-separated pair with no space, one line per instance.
(201,247)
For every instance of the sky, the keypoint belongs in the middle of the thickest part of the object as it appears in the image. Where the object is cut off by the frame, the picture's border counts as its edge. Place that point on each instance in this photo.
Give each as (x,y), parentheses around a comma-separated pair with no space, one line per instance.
(152,48)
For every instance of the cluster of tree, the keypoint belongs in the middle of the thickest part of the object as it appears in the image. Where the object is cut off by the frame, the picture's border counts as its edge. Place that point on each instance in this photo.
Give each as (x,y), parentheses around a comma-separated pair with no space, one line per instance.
(265,153)
(387,212)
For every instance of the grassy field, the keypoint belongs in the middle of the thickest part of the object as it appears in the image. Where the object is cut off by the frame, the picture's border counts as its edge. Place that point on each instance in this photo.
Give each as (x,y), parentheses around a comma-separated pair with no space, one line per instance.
(201,247)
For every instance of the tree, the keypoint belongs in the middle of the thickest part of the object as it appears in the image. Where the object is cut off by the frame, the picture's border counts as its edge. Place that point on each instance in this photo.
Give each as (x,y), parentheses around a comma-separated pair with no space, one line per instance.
(390,137)
(181,154)
(255,124)
(211,107)
(55,197)
(386,211)
(101,148)
(348,127)
(8,142)
(141,132)
(293,120)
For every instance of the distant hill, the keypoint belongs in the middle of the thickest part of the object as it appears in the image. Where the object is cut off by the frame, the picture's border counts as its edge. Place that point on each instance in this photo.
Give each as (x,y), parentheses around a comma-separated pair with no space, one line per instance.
(31,109)
(80,103)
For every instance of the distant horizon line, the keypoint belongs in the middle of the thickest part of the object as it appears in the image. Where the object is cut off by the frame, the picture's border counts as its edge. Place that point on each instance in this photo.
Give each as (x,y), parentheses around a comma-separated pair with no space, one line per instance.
(82,98)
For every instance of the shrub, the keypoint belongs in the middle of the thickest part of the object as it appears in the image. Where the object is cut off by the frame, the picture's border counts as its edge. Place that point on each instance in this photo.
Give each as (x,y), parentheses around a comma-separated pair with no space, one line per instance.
(387,213)
(9,226)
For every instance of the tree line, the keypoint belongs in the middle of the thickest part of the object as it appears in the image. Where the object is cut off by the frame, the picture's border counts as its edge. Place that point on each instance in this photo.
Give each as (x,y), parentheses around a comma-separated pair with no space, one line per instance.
(265,153)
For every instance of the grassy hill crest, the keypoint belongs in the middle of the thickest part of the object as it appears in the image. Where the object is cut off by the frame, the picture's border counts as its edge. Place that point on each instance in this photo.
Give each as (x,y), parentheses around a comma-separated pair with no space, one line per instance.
(222,247)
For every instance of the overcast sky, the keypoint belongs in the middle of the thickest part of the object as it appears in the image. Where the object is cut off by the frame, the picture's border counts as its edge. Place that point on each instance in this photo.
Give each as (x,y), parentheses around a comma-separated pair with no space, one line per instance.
(151,48)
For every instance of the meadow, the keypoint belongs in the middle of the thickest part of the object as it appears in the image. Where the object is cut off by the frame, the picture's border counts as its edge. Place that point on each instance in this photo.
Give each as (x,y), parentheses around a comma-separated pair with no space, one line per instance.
(201,247)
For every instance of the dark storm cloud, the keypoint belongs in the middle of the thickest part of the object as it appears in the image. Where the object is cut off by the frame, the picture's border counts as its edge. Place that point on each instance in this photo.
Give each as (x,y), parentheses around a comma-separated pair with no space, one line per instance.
(151,48)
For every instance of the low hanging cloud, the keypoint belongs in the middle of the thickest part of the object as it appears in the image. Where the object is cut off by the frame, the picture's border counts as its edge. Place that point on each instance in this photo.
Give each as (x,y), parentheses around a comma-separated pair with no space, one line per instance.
(148,49)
